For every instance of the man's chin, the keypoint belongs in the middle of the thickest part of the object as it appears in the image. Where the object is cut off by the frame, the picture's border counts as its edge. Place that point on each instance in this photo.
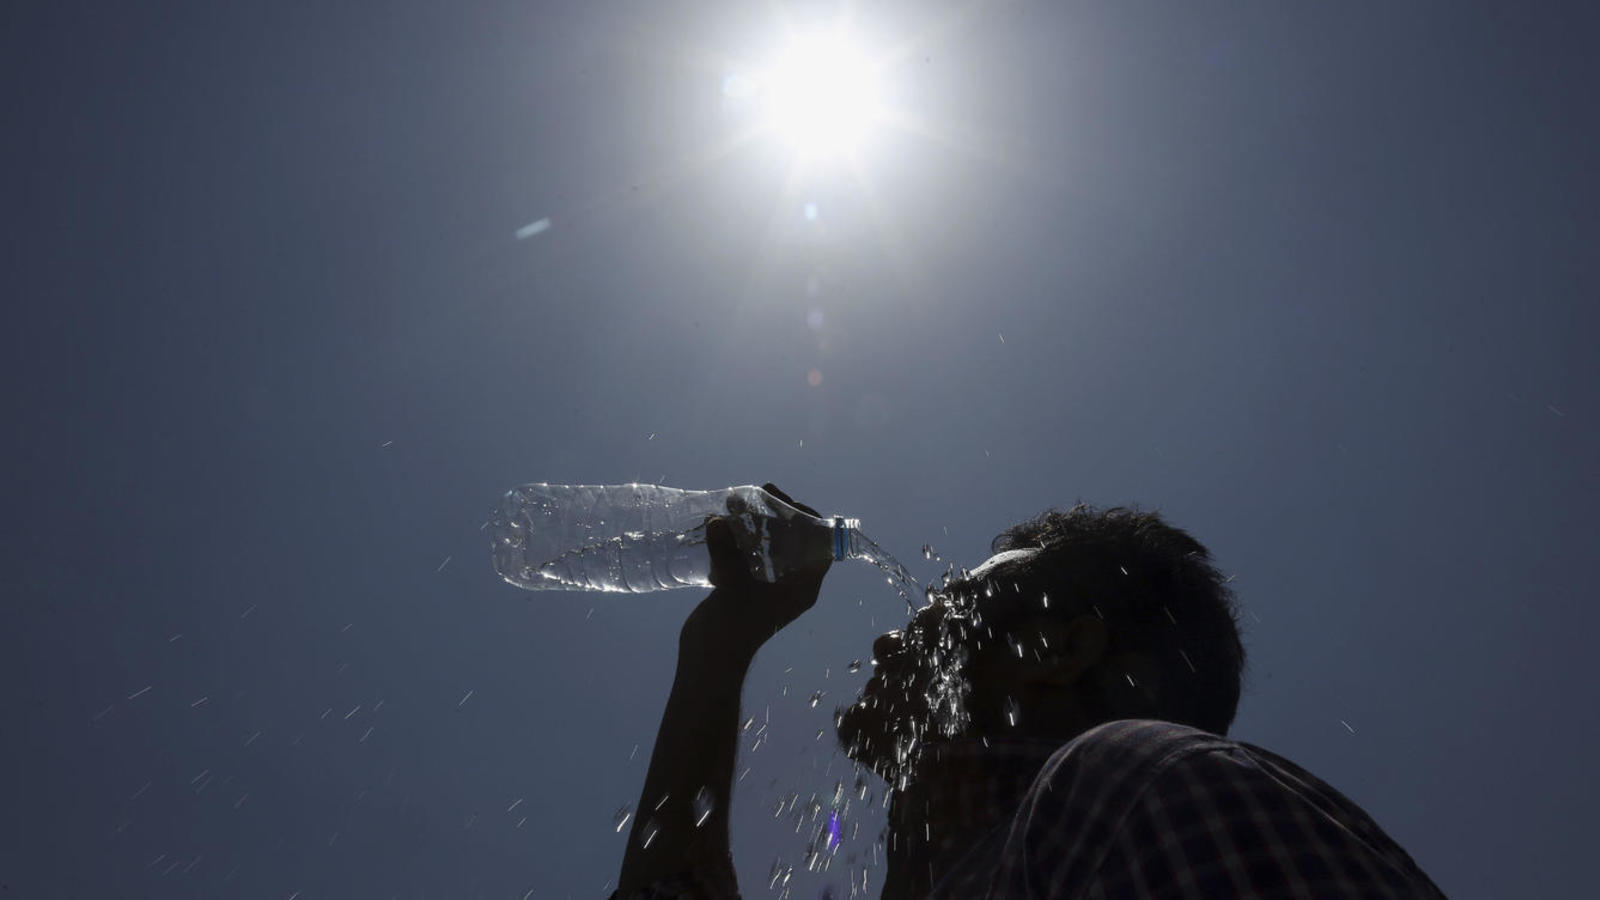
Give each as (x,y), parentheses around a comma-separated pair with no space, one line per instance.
(869,737)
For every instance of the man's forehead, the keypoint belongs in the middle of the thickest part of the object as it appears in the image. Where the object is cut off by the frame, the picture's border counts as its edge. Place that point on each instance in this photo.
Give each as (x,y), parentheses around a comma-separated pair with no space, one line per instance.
(1000,560)
(996,596)
(994,586)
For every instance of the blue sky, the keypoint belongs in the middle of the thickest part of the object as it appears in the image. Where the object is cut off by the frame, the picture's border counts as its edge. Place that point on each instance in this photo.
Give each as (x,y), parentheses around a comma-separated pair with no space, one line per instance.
(1315,280)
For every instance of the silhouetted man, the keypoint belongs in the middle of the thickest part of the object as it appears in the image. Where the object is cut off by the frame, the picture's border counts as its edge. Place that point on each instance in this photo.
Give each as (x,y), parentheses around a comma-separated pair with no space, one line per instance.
(1050,724)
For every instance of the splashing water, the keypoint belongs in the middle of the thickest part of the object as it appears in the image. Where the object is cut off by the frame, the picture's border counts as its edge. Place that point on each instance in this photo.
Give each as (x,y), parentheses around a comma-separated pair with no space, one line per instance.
(704,805)
(949,640)
(896,575)
(948,688)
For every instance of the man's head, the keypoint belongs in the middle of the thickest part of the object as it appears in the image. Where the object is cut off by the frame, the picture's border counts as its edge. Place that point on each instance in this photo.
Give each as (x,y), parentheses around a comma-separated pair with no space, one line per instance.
(1080,617)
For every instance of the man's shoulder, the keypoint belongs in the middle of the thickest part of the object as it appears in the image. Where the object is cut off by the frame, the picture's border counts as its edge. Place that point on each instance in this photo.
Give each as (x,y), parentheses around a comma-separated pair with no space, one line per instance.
(1139,750)
(1148,731)
(1139,781)
(1128,746)
(1111,765)
(1077,803)
(1104,770)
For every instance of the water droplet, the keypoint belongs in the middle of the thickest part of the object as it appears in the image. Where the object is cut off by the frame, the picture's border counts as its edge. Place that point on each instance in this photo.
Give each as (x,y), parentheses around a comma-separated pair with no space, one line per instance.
(929,553)
(855,666)
(817,698)
(1013,711)
(703,805)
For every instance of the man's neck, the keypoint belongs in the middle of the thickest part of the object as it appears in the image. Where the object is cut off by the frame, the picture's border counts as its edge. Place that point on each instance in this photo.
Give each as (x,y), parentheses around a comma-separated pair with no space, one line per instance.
(898,882)
(910,869)
(961,792)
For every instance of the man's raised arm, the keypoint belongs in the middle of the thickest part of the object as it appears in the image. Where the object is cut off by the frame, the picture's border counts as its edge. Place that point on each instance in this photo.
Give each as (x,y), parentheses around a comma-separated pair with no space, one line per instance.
(680,829)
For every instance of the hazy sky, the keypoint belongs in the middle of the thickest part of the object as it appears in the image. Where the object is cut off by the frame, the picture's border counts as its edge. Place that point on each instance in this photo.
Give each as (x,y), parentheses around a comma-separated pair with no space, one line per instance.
(1317,280)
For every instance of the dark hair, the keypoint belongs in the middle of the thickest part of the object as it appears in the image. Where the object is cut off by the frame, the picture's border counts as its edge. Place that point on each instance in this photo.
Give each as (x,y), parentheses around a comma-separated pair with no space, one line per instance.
(1158,592)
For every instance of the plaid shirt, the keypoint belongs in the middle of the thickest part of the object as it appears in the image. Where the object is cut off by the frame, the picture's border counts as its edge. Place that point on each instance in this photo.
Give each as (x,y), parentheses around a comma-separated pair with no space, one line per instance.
(1129,809)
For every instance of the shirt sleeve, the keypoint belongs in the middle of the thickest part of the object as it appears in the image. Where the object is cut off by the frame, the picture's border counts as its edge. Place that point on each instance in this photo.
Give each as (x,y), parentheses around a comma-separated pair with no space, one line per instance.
(712,882)
(1221,823)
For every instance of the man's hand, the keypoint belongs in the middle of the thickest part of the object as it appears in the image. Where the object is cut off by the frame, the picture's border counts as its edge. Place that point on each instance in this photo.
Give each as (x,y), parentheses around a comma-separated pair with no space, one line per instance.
(744,612)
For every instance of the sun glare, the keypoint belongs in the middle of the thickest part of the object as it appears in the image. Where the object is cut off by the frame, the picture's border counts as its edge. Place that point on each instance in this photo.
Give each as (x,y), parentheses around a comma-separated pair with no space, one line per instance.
(825,103)
(821,96)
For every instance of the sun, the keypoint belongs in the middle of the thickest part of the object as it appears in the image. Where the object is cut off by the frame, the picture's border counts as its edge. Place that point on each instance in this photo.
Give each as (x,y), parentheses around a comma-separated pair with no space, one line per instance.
(821,95)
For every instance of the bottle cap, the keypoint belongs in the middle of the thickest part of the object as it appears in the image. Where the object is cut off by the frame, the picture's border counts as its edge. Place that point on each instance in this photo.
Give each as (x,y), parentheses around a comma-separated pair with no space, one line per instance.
(842,530)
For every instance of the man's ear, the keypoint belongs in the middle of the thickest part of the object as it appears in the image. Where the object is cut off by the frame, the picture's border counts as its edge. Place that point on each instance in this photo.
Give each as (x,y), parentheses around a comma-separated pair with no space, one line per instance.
(1066,650)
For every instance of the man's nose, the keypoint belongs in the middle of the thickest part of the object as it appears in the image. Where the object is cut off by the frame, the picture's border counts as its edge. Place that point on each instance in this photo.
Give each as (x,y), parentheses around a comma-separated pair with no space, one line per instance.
(887,646)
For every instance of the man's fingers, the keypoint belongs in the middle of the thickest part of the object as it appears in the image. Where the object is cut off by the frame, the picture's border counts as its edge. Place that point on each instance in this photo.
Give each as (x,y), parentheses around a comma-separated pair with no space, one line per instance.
(775,491)
(719,537)
(730,560)
(723,548)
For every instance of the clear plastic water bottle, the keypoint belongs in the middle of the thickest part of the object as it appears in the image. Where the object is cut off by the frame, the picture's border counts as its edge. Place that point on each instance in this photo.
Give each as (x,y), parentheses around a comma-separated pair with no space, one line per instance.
(644,537)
